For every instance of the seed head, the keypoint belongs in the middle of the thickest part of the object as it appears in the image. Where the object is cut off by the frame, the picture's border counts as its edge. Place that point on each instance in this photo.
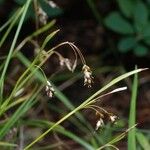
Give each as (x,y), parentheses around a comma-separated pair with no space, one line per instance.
(100,123)
(49,90)
(42,16)
(88,79)
(113,118)
(66,62)
(52,4)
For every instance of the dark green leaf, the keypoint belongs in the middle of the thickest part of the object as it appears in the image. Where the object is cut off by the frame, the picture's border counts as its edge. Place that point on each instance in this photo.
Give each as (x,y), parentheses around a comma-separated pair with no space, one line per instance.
(126,44)
(118,24)
(140,50)
(147,41)
(126,6)
(20,2)
(140,16)
(1,2)
(51,12)
(146,32)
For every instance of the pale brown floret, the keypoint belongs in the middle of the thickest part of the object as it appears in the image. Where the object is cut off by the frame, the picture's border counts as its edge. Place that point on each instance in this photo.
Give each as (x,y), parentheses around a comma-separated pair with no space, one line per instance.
(113,118)
(88,79)
(42,16)
(100,123)
(66,62)
(49,90)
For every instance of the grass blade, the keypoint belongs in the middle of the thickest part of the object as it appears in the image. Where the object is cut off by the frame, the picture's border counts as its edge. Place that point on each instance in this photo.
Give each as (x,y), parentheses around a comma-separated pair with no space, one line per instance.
(17,15)
(132,115)
(6,144)
(26,105)
(9,21)
(12,46)
(45,124)
(142,140)
(116,80)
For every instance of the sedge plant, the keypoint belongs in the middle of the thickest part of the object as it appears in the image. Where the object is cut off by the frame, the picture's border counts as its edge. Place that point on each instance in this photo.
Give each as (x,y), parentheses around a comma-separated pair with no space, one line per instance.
(34,77)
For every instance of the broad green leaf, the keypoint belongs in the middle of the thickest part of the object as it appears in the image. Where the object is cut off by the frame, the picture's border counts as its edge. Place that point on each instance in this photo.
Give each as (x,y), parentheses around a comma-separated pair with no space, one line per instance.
(117,23)
(51,12)
(126,44)
(126,6)
(146,32)
(143,141)
(132,115)
(1,2)
(20,2)
(140,16)
(140,50)
(147,41)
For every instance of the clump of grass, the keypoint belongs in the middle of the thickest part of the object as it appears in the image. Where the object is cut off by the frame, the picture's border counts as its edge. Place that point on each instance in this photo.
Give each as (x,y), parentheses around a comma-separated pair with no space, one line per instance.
(20,100)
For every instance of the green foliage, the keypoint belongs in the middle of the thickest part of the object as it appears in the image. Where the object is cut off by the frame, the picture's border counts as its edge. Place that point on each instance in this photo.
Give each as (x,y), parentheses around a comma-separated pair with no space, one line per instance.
(51,12)
(118,24)
(126,7)
(132,115)
(140,50)
(126,44)
(132,21)
(142,140)
(1,2)
(17,110)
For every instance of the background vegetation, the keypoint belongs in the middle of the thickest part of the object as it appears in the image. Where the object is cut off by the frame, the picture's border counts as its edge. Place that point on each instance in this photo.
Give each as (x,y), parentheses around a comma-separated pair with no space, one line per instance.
(113,37)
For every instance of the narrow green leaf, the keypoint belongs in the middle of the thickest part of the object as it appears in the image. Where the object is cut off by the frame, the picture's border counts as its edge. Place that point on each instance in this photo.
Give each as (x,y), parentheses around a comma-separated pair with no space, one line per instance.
(15,19)
(48,38)
(118,24)
(26,105)
(94,10)
(6,144)
(126,44)
(9,20)
(132,115)
(25,8)
(43,29)
(142,140)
